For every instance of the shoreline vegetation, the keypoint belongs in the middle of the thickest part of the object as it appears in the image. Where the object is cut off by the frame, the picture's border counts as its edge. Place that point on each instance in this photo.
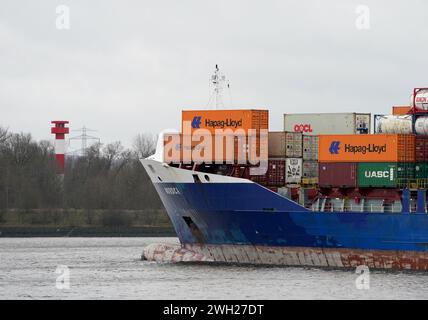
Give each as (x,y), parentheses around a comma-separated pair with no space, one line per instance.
(85,223)
(104,190)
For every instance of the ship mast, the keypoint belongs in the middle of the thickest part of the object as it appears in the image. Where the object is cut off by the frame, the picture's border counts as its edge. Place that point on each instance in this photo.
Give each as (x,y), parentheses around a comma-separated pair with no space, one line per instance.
(218,81)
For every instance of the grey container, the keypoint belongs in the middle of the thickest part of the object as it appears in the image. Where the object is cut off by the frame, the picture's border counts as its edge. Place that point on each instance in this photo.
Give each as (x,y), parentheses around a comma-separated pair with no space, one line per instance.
(293,144)
(277,144)
(310,169)
(310,147)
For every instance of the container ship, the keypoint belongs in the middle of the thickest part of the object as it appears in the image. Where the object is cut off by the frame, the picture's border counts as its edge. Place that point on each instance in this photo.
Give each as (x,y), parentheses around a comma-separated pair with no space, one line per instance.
(330,190)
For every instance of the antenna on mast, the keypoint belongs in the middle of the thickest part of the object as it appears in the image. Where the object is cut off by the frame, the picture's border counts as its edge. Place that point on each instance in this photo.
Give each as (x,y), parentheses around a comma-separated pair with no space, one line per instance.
(218,81)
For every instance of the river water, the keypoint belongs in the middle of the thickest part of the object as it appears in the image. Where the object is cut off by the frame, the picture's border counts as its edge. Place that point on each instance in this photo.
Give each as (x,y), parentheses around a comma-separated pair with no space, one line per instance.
(110,268)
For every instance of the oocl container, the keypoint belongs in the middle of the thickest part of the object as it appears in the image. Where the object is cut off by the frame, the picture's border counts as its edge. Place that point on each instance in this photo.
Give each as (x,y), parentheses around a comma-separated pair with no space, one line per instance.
(293,170)
(338,174)
(225,119)
(327,123)
(366,148)
(310,147)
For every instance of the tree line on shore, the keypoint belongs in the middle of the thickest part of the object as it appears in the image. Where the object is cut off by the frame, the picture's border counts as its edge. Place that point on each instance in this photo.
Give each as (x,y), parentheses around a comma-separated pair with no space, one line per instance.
(106,176)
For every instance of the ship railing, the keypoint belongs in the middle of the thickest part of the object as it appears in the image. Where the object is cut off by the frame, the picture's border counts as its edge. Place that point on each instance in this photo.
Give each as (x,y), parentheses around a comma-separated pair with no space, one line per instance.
(351,208)
(419,183)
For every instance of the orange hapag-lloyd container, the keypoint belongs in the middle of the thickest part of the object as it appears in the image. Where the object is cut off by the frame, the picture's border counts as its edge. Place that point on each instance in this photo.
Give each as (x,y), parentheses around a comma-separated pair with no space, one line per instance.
(366,148)
(188,149)
(400,110)
(224,119)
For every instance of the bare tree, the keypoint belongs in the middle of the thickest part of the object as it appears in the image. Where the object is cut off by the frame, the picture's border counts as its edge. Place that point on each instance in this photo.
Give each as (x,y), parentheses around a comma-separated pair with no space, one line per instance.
(4,135)
(144,144)
(112,152)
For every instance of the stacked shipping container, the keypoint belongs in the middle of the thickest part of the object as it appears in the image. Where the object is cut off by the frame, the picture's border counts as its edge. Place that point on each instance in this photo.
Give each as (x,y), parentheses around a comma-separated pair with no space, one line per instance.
(229,123)
(370,161)
(287,146)
(310,160)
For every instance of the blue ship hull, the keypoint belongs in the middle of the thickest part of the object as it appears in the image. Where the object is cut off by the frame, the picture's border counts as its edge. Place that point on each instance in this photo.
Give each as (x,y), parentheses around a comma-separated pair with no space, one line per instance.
(250,214)
(247,215)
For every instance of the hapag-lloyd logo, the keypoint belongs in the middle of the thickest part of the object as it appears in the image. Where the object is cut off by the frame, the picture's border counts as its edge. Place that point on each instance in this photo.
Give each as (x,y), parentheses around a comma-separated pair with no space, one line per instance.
(227,123)
(362,149)
(334,147)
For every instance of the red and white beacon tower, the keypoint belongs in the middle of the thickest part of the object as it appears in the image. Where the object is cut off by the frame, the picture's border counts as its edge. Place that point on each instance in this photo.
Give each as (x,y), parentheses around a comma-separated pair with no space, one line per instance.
(60,130)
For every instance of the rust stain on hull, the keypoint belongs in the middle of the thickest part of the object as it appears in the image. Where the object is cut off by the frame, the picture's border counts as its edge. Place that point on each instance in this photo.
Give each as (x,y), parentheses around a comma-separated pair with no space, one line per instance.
(318,257)
(288,256)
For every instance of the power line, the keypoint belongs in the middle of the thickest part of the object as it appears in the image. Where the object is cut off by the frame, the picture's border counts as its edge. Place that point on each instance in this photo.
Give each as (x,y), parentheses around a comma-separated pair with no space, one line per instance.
(84,137)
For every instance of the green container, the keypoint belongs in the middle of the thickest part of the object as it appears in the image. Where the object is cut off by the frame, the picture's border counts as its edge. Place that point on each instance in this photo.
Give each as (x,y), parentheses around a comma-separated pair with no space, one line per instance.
(421,170)
(406,170)
(385,174)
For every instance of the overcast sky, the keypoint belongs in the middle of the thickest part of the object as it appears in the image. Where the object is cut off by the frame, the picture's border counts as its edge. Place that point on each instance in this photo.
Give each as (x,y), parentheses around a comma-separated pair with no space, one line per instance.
(126,67)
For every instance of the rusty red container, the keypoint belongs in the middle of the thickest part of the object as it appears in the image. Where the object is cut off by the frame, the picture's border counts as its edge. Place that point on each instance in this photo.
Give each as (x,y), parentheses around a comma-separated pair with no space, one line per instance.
(338,174)
(421,149)
(275,174)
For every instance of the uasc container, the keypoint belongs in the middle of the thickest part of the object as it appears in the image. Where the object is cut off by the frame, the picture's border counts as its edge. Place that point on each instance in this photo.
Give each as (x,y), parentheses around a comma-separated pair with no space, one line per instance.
(385,174)
(328,123)
(377,175)
(366,148)
(338,174)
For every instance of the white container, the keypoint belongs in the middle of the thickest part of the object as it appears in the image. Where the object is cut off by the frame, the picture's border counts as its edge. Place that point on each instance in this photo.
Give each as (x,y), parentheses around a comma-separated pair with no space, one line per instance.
(421,126)
(327,123)
(394,124)
(421,101)
(293,170)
